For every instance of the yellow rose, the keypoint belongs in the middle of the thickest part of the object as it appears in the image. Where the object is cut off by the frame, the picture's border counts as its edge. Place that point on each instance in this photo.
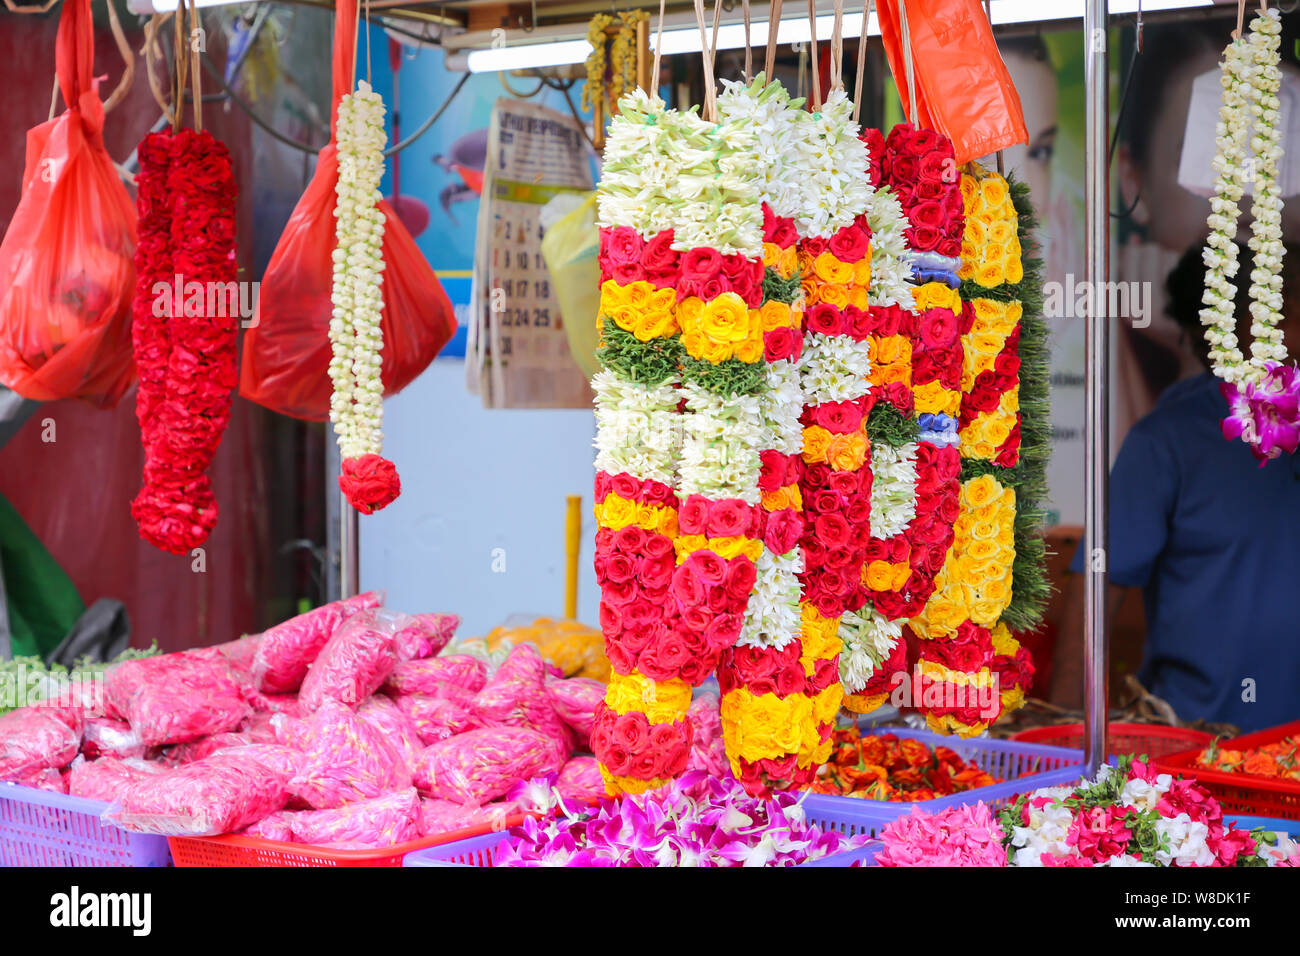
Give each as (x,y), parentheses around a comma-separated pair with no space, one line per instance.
(1015,271)
(970,190)
(993,190)
(862,271)
(1004,644)
(775,315)
(902,571)
(726,319)
(663,702)
(992,252)
(806,263)
(995,591)
(1014,310)
(836,295)
(787,496)
(653,325)
(991,275)
(831,270)
(661,300)
(885,350)
(689,311)
(1002,232)
(638,293)
(858,297)
(789,262)
(750,350)
(625,317)
(888,374)
(879,576)
(980,491)
(929,398)
(771,255)
(811,288)
(847,452)
(816,442)
(696,344)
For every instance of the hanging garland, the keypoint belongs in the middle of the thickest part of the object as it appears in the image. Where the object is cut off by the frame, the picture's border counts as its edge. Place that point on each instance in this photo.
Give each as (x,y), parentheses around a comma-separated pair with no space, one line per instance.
(184,329)
(369,480)
(611,75)
(1263,394)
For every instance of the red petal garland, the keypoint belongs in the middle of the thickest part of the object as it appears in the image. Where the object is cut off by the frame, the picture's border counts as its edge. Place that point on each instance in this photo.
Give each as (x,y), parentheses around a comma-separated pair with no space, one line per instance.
(370,482)
(183,330)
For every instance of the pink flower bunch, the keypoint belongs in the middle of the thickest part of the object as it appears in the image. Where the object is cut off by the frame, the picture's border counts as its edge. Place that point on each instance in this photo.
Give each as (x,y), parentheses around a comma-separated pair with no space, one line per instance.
(956,836)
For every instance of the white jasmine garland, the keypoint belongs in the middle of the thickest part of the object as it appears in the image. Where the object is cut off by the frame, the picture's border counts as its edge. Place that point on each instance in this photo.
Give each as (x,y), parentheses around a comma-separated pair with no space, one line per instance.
(893,488)
(638,428)
(891,272)
(772,617)
(722,436)
(833,368)
(767,109)
(781,404)
(356,336)
(867,638)
(1248,147)
(832,164)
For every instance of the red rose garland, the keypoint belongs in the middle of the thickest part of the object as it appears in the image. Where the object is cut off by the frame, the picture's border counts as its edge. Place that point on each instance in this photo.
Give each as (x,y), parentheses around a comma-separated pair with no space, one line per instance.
(185,356)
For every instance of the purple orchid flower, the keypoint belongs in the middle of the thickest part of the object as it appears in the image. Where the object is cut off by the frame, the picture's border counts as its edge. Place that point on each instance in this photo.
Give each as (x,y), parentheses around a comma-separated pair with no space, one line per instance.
(1265,415)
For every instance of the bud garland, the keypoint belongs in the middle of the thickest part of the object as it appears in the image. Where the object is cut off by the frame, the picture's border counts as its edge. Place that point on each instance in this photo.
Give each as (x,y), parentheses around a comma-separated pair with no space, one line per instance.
(369,481)
(185,356)
(1263,394)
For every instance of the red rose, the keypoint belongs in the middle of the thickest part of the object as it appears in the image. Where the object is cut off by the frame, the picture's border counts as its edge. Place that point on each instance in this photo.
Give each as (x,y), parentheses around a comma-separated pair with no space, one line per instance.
(370,483)
(781,343)
(928,191)
(789,680)
(625,486)
(723,631)
(813,245)
(657,572)
(832,530)
(904,169)
(630,540)
(938,328)
(728,517)
(850,244)
(687,588)
(740,578)
(710,289)
(701,264)
(657,545)
(719,600)
(611,619)
(824,502)
(840,418)
(621,245)
(824,319)
(619,568)
(659,254)
(924,238)
(771,475)
(708,567)
(626,273)
(693,516)
(858,322)
(784,529)
(630,731)
(843,483)
(926,214)
(695,671)
(900,396)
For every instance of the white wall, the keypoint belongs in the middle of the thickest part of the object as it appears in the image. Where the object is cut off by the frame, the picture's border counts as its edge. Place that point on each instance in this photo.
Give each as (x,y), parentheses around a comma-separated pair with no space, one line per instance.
(475,480)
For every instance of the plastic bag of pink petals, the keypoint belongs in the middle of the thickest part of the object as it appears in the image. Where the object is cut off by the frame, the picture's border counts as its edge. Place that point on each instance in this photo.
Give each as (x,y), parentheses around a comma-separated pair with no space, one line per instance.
(177,697)
(219,794)
(286,651)
(425,636)
(386,717)
(354,662)
(345,758)
(106,736)
(438,676)
(48,779)
(436,718)
(108,777)
(580,780)
(709,750)
(575,700)
(38,738)
(478,766)
(367,824)
(444,816)
(516,696)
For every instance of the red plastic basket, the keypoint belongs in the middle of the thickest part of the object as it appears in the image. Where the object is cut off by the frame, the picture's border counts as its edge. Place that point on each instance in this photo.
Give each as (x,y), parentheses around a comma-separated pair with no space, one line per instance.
(1242,792)
(236,850)
(1153,740)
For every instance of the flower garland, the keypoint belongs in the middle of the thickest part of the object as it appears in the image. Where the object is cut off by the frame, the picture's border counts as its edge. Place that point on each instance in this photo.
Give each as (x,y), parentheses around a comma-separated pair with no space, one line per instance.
(768,687)
(642,724)
(1263,394)
(679,313)
(184,349)
(916,369)
(369,480)
(988,586)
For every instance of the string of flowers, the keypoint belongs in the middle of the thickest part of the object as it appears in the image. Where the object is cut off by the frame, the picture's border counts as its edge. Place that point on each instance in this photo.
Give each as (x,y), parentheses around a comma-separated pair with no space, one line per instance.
(1263,394)
(642,734)
(835,254)
(183,332)
(369,480)
(768,692)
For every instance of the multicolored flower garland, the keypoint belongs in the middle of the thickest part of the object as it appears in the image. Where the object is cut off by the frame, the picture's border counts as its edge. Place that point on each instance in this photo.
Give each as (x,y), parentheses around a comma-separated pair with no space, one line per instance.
(369,480)
(1263,394)
(183,330)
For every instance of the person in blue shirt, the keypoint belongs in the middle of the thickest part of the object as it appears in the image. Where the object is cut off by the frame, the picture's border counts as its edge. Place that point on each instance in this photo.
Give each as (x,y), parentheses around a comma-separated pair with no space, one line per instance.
(1211,538)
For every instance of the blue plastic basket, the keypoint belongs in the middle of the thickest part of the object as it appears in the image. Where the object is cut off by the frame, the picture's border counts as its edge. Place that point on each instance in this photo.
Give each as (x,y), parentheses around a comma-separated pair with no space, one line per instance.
(1020,767)
(1273,824)
(38,828)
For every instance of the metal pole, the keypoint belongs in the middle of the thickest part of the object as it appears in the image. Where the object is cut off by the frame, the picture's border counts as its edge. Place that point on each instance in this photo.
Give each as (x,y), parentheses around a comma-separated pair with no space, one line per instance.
(349,549)
(1097,423)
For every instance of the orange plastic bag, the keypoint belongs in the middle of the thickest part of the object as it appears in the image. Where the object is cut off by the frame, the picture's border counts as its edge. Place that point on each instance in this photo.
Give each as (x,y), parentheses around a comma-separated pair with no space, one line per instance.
(66,271)
(963,89)
(287,350)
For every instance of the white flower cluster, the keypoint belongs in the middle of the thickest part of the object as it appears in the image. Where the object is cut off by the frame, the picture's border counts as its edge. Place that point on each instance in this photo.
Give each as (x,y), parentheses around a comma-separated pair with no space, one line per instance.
(867,638)
(1183,842)
(832,166)
(767,109)
(721,439)
(772,617)
(891,272)
(893,488)
(638,429)
(356,337)
(781,403)
(1248,149)
(1045,832)
(670,169)
(833,368)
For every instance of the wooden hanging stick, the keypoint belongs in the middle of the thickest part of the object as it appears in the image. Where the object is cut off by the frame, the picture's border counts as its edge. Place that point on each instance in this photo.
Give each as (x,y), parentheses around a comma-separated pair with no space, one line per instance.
(196,26)
(816,70)
(773,28)
(862,61)
(837,48)
(749,49)
(128,58)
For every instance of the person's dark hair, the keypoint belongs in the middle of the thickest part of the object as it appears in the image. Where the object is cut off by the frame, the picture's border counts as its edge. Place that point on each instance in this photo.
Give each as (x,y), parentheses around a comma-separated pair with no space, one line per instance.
(1185,286)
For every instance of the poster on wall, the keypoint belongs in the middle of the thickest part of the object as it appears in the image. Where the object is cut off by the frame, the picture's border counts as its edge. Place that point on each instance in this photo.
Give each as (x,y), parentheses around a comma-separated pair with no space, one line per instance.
(518,353)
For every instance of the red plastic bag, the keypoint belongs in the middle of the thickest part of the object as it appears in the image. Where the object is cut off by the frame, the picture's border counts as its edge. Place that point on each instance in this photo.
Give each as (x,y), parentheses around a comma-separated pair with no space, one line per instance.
(177,697)
(66,271)
(963,89)
(287,350)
